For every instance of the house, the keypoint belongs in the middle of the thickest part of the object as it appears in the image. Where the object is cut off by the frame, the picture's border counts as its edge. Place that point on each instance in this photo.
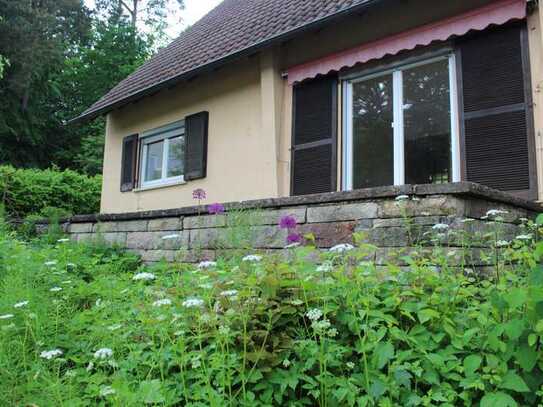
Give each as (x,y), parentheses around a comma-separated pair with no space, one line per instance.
(271,98)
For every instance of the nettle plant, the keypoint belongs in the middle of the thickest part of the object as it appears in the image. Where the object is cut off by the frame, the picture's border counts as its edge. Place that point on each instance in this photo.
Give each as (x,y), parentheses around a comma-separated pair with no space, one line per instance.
(89,325)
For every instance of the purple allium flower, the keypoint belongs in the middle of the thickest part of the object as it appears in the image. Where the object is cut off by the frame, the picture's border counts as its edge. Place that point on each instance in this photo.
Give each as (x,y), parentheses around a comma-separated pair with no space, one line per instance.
(294,238)
(287,222)
(215,208)
(199,194)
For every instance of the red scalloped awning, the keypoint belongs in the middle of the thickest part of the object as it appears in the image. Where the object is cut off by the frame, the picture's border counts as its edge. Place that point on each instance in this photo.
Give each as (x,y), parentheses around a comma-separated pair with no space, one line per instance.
(499,12)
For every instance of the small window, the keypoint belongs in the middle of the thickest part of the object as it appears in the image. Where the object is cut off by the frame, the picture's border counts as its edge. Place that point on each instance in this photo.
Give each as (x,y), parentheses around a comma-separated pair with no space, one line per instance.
(163,153)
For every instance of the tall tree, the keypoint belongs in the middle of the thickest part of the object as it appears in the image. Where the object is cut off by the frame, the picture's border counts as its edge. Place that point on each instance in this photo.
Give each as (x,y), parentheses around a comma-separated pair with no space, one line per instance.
(36,37)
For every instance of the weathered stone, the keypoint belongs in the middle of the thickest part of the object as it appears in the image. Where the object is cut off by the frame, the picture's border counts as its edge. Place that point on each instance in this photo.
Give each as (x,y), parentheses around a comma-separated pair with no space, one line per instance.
(387,237)
(114,238)
(195,256)
(273,216)
(338,213)
(430,206)
(399,222)
(211,238)
(330,234)
(81,228)
(268,237)
(477,208)
(204,221)
(132,226)
(155,241)
(163,224)
(105,227)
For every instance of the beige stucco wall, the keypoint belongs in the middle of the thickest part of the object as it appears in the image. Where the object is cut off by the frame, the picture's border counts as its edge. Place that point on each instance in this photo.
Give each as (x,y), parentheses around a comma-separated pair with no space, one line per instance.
(250,107)
(535,41)
(240,163)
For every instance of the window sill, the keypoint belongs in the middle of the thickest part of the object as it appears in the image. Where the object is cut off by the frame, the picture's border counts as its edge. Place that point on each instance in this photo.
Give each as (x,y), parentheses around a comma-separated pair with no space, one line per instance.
(159,186)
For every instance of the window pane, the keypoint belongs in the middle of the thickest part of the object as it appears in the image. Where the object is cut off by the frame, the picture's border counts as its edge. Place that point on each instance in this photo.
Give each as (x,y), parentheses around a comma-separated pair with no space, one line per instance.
(373,136)
(153,166)
(427,124)
(176,153)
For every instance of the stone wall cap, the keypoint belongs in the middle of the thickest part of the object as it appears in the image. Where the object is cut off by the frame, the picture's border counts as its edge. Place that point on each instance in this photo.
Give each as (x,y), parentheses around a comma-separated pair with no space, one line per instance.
(469,189)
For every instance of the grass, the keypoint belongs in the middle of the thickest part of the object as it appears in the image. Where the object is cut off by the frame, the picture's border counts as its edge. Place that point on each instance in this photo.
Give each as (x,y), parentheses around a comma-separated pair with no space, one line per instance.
(276,330)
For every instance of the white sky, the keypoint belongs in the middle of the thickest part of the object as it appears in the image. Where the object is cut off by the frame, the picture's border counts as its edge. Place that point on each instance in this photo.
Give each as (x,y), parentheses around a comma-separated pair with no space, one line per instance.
(194,10)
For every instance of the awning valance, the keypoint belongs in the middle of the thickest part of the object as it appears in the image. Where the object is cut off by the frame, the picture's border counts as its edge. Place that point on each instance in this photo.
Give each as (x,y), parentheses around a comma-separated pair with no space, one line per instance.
(497,13)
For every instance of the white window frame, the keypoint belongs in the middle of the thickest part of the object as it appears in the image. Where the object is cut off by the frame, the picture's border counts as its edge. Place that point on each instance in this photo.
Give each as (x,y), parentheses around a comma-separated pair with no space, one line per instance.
(164,134)
(398,124)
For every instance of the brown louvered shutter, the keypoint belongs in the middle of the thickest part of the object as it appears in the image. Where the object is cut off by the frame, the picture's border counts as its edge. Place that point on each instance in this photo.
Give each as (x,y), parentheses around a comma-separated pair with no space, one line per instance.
(196,129)
(314,138)
(497,110)
(129,163)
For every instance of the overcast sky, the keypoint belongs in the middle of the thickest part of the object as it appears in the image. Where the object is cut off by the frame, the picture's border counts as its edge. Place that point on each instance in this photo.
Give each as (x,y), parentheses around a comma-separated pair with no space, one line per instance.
(194,10)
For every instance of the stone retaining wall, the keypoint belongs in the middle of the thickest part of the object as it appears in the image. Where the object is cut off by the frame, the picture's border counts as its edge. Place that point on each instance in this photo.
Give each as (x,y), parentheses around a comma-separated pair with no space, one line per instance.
(394,227)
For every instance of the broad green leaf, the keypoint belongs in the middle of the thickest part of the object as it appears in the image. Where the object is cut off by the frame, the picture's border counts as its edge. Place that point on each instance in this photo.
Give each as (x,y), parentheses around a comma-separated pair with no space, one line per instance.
(427,314)
(532,339)
(514,328)
(377,389)
(471,364)
(536,275)
(526,357)
(539,219)
(383,353)
(512,381)
(498,399)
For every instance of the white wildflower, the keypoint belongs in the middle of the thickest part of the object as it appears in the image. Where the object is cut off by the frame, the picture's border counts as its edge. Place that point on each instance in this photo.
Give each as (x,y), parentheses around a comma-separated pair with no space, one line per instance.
(523,220)
(144,276)
(7,316)
(21,304)
(496,212)
(502,243)
(206,264)
(252,258)
(51,354)
(332,333)
(314,314)
(402,198)
(106,391)
(114,327)
(229,293)
(50,263)
(65,282)
(71,265)
(440,226)
(103,353)
(321,325)
(193,303)
(325,267)
(55,289)
(341,248)
(524,237)
(350,365)
(467,220)
(90,366)
(63,240)
(286,363)
(296,302)
(170,237)
(206,286)
(160,303)
(224,330)
(451,253)
(196,363)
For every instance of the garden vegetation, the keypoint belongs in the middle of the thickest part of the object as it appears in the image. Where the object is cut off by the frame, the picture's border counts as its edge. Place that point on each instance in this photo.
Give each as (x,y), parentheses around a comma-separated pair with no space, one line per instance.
(86,325)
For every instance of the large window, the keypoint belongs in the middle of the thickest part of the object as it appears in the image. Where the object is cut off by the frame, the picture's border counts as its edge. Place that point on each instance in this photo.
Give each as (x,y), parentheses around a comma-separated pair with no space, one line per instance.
(163,152)
(401,126)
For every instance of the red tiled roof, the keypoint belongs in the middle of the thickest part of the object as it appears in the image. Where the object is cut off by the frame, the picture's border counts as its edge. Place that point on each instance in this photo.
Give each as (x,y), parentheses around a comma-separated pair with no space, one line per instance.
(233,27)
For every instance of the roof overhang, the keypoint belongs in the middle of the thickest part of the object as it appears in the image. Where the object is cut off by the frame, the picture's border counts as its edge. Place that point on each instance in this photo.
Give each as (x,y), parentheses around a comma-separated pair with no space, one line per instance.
(234,56)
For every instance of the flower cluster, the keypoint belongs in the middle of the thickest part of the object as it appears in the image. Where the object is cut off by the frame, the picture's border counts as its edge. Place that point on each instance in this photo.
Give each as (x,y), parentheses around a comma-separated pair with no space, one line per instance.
(144,277)
(51,354)
(252,258)
(193,303)
(199,194)
(289,223)
(341,248)
(160,303)
(103,353)
(215,209)
(206,264)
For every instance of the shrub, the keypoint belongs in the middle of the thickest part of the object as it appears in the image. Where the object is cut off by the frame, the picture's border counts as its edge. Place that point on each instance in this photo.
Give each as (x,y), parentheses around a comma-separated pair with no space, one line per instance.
(268,330)
(26,192)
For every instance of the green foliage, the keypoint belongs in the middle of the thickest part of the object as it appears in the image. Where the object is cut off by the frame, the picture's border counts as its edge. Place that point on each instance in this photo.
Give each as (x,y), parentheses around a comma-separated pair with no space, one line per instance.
(276,330)
(25,192)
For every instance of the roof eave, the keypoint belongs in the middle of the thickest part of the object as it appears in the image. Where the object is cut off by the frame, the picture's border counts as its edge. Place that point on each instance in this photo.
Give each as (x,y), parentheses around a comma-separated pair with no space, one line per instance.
(224,60)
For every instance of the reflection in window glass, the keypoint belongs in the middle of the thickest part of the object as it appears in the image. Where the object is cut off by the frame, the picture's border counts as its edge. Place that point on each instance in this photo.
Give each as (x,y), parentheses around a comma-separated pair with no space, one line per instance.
(176,152)
(153,166)
(427,123)
(373,136)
